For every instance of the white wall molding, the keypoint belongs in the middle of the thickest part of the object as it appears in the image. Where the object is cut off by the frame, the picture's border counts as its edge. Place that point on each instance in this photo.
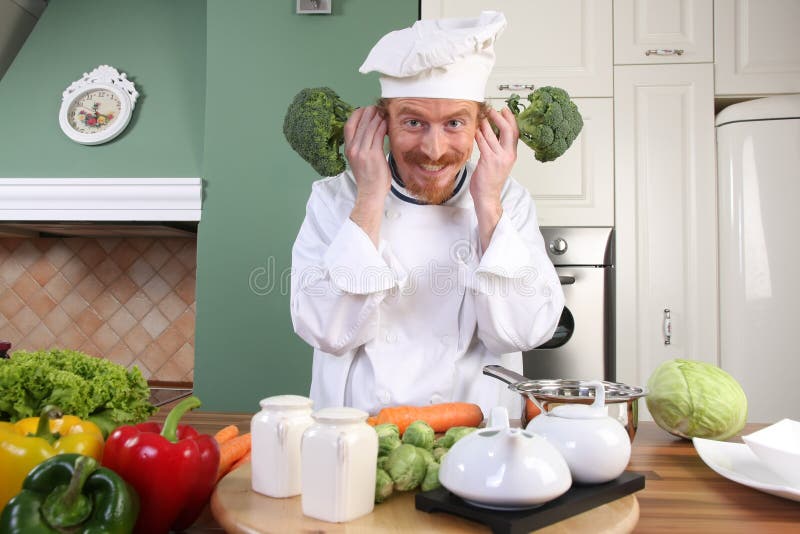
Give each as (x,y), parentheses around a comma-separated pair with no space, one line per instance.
(100,199)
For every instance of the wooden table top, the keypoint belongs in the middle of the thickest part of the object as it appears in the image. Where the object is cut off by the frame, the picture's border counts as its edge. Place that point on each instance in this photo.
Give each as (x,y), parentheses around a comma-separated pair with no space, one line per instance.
(682,494)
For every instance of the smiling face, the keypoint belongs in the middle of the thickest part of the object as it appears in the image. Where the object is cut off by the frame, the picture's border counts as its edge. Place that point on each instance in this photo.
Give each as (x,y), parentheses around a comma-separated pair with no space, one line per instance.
(431,140)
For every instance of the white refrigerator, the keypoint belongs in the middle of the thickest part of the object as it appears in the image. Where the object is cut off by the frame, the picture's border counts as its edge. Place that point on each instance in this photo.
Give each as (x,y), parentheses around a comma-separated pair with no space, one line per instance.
(758,166)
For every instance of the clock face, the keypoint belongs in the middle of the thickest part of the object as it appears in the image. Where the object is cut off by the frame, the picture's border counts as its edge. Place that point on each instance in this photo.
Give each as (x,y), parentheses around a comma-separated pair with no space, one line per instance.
(94,111)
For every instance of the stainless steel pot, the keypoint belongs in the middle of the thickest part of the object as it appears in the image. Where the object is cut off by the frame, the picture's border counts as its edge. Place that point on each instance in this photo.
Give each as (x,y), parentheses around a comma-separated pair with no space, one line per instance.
(621,399)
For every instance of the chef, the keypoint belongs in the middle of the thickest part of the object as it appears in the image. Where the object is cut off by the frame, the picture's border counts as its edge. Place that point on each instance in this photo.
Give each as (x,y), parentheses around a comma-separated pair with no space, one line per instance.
(413,270)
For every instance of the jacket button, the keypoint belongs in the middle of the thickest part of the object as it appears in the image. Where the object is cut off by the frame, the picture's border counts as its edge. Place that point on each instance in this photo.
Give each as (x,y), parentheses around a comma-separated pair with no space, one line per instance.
(391,337)
(384,397)
(392,214)
(436,398)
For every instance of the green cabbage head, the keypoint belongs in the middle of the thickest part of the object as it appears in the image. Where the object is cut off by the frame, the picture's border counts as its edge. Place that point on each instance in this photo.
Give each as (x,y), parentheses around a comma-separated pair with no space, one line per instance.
(690,399)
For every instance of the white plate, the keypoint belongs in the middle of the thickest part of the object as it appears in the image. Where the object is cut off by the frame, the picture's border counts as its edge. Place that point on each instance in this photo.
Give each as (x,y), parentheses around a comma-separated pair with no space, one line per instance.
(735,461)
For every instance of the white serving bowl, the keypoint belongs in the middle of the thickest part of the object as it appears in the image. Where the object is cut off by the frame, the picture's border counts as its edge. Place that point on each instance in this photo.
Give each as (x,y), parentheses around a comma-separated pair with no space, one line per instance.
(778,446)
(503,468)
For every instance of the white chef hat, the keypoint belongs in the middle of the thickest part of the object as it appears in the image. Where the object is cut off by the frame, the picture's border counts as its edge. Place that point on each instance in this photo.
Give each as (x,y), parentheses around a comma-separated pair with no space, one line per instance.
(441,58)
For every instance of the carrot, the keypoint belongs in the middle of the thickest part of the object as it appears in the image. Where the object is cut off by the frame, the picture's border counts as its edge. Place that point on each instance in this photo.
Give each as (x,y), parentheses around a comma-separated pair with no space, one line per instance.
(241,461)
(372,421)
(439,416)
(231,451)
(227,433)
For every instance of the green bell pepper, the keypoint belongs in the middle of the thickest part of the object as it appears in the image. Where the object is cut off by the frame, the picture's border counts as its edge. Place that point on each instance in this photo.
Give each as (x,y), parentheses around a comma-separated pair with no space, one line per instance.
(71,493)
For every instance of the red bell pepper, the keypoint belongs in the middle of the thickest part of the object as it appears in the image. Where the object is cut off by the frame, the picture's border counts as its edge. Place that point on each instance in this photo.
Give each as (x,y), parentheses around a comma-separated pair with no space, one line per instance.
(173,469)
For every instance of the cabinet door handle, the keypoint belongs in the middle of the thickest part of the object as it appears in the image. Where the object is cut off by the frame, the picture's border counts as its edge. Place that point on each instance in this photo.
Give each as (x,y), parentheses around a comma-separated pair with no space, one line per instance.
(664,52)
(516,86)
(667,327)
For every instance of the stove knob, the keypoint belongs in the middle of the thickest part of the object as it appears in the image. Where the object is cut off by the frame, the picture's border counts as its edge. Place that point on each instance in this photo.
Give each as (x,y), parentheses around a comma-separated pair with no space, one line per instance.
(558,246)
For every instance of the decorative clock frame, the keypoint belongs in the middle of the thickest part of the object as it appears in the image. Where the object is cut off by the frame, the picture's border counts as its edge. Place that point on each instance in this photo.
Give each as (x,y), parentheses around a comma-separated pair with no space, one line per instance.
(103,78)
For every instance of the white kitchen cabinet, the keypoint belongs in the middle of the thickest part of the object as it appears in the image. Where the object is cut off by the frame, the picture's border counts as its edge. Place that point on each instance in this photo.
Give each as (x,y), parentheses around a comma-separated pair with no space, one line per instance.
(578,188)
(757,46)
(663,31)
(566,43)
(666,216)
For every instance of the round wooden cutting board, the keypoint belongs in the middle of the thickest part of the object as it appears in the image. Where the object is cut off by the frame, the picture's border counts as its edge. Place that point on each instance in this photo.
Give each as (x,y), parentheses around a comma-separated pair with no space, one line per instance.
(241,510)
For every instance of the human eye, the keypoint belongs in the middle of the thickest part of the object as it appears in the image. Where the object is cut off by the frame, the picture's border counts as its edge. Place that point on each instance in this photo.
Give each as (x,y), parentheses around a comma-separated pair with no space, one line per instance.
(455,123)
(413,123)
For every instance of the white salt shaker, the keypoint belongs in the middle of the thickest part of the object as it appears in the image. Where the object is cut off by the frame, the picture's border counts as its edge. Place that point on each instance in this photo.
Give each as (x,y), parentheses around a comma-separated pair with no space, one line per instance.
(338,454)
(276,433)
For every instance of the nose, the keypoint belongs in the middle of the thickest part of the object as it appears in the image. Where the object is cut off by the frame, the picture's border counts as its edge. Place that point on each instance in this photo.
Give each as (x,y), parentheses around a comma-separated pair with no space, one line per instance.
(434,144)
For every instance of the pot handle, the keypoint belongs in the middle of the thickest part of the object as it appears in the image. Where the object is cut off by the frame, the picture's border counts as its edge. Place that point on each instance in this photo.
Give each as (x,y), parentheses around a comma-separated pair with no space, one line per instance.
(505,375)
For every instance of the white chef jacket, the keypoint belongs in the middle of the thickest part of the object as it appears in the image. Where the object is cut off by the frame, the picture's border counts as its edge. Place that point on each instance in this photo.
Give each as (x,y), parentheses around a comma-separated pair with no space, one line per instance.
(414,320)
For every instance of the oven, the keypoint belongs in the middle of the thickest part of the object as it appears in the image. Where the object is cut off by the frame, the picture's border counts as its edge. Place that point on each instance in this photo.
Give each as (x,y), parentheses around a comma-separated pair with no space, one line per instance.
(582,347)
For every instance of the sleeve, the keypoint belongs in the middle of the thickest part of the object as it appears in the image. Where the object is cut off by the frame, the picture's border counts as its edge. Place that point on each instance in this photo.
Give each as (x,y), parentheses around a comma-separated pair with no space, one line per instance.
(338,279)
(518,296)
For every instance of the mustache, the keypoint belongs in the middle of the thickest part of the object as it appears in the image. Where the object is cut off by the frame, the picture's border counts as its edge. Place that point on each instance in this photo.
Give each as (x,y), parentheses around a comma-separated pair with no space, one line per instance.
(417,157)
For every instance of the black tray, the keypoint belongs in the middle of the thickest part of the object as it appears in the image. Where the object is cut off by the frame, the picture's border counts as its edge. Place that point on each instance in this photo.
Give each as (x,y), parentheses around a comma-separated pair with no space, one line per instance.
(577,499)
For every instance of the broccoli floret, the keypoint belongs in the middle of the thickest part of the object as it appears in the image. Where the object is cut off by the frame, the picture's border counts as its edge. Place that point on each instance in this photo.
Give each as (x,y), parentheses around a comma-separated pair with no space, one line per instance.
(549,123)
(314,127)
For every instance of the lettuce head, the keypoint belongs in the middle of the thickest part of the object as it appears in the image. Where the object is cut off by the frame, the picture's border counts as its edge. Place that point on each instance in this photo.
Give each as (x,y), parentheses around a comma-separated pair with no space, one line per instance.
(91,388)
(690,399)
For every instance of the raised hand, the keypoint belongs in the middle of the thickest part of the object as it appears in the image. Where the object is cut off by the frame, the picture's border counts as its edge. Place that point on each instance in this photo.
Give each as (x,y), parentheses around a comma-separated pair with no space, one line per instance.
(498,155)
(364,133)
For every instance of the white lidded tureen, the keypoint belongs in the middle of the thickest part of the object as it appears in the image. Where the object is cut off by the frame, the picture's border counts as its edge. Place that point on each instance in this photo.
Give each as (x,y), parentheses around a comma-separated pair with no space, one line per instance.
(504,468)
(595,446)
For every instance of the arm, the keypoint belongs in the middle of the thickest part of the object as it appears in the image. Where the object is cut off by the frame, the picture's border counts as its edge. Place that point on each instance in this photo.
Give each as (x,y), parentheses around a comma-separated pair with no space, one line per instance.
(364,133)
(339,278)
(518,296)
(498,155)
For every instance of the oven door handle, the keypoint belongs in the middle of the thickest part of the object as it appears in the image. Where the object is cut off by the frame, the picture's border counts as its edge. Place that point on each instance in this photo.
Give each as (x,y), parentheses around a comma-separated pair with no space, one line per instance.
(566,280)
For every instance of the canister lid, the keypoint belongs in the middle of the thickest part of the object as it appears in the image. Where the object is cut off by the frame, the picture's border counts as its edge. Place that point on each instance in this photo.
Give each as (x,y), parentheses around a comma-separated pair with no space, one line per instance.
(285,402)
(340,415)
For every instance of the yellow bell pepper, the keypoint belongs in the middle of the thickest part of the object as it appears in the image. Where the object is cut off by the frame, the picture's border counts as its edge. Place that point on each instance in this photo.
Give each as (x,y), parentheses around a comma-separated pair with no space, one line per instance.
(30,441)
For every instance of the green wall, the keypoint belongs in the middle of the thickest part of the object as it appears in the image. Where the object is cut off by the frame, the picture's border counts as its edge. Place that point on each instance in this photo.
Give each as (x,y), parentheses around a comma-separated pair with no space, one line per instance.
(215,77)
(159,44)
(259,55)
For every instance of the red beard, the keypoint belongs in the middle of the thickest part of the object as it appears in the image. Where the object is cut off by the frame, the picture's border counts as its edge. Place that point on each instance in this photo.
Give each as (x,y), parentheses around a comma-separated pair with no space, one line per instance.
(431,192)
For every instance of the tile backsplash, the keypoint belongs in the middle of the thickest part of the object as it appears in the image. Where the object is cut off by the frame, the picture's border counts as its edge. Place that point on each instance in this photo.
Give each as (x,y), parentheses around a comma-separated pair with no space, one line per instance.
(131,300)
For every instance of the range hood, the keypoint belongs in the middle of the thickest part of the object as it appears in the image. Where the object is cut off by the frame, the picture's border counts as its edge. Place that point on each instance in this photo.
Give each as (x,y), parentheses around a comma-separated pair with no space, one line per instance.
(95,207)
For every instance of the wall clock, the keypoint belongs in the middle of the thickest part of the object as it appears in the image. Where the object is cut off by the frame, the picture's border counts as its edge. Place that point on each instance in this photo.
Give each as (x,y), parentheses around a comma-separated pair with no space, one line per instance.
(98,107)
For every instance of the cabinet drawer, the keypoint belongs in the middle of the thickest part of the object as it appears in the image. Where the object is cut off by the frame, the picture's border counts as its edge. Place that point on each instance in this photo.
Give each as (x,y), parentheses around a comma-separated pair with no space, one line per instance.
(663,31)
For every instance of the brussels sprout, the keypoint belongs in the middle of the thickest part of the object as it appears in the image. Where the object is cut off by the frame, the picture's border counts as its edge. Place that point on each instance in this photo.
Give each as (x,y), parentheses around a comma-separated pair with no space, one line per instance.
(388,438)
(406,466)
(431,480)
(427,455)
(695,399)
(452,435)
(382,462)
(439,452)
(387,429)
(420,434)
(383,485)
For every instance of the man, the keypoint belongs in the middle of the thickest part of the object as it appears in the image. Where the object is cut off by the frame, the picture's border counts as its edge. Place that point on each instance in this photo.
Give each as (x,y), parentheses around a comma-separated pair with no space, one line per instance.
(413,271)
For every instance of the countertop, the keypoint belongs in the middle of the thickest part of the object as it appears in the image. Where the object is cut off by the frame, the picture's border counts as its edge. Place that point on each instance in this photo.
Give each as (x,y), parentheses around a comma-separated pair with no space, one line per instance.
(681,493)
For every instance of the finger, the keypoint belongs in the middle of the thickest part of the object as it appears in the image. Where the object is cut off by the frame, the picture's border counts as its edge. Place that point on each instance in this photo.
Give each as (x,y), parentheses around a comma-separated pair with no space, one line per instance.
(380,132)
(363,132)
(480,140)
(351,125)
(512,122)
(507,125)
(489,138)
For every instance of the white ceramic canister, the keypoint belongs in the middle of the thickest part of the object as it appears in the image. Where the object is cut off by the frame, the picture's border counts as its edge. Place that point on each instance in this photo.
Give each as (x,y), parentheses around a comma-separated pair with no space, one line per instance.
(338,453)
(276,433)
